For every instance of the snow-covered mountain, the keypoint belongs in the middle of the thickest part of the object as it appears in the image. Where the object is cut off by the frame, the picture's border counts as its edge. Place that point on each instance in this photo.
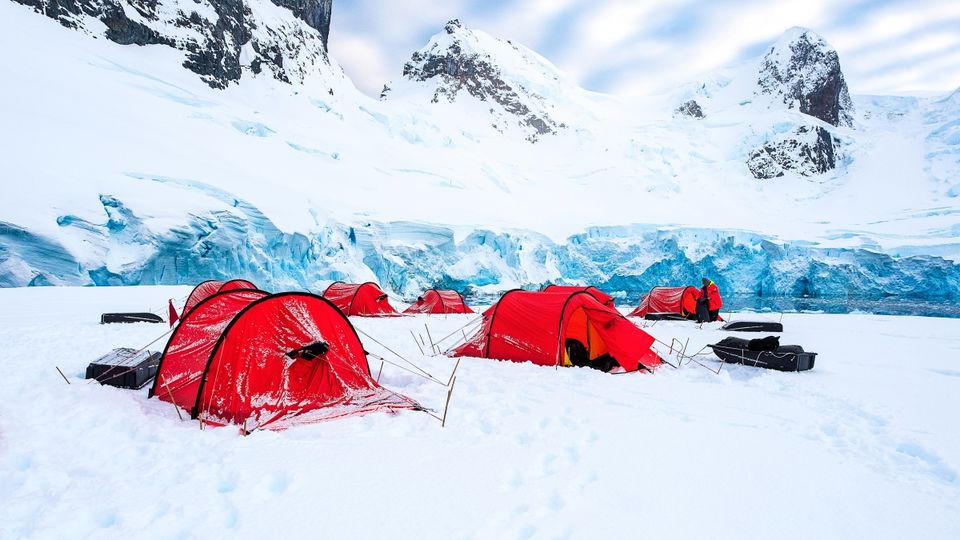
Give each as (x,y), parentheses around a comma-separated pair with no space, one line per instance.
(801,72)
(516,86)
(276,168)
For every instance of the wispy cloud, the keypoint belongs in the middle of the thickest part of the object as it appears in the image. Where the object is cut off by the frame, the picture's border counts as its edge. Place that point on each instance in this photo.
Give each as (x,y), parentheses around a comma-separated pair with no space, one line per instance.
(629,47)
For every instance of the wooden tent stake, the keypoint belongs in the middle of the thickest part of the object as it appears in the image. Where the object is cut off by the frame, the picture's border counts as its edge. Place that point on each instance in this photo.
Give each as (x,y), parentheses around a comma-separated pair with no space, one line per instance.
(175,406)
(433,348)
(417,342)
(443,422)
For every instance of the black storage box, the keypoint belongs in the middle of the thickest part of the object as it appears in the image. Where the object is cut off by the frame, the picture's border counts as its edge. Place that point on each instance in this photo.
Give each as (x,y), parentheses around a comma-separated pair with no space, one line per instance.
(753,326)
(125,368)
(784,358)
(108,318)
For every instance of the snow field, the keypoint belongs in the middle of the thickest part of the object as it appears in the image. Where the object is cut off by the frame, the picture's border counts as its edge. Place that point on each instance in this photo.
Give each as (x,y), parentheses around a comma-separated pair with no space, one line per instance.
(865,445)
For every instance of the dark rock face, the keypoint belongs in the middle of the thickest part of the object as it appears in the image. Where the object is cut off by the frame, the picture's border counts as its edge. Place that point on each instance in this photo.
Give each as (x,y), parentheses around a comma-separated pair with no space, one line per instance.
(479,76)
(215,51)
(690,108)
(316,13)
(804,71)
(807,150)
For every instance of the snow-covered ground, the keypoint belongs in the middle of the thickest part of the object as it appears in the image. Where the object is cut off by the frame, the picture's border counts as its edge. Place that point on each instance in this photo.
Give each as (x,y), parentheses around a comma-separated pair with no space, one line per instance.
(863,446)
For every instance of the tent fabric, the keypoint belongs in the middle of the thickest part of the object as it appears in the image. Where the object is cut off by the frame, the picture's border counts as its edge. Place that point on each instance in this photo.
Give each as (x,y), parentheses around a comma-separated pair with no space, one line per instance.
(208,288)
(362,299)
(533,326)
(679,300)
(439,301)
(255,378)
(603,297)
(189,347)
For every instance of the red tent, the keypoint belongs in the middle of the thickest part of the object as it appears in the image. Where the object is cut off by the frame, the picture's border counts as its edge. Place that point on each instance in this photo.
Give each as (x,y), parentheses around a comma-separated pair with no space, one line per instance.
(533,326)
(185,356)
(363,299)
(269,361)
(439,301)
(603,297)
(678,300)
(208,288)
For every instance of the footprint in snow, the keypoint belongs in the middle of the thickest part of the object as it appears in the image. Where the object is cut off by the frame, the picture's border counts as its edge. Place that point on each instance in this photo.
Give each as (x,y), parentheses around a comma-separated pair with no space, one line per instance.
(929,460)
(280,482)
(106,519)
(227,485)
(23,463)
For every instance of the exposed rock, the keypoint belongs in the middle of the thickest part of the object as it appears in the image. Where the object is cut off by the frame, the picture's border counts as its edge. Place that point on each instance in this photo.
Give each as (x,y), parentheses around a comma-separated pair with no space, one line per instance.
(807,150)
(803,70)
(217,48)
(460,60)
(315,13)
(690,108)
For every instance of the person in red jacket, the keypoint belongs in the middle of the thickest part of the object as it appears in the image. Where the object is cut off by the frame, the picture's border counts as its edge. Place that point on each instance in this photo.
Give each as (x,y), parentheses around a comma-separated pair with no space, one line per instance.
(709,302)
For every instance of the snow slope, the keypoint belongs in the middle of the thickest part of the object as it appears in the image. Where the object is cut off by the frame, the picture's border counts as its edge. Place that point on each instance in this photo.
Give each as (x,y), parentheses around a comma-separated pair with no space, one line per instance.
(122,167)
(865,445)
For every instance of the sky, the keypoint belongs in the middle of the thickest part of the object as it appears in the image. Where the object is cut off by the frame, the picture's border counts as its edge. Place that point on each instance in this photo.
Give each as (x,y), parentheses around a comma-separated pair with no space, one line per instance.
(645,47)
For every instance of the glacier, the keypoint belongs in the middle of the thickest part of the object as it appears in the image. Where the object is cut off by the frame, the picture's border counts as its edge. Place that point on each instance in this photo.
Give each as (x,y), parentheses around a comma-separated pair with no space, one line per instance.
(406,257)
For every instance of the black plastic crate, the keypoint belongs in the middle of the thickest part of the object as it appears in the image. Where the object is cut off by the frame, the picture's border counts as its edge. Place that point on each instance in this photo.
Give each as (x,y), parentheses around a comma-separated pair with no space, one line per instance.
(125,368)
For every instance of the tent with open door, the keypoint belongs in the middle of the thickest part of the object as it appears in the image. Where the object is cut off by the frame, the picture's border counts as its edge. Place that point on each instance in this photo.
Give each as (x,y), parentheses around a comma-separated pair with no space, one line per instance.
(603,297)
(679,302)
(268,361)
(208,288)
(539,326)
(363,299)
(439,301)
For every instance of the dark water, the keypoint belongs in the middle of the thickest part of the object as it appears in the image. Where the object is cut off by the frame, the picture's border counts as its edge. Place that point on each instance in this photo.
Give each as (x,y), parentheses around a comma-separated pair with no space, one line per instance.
(885,306)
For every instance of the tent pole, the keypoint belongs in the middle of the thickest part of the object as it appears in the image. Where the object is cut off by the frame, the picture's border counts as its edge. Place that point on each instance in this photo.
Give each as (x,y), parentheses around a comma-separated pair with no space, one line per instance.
(62,375)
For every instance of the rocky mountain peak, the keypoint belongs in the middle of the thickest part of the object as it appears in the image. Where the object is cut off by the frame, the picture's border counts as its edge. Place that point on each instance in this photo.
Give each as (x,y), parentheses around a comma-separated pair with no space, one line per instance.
(452,26)
(221,38)
(462,63)
(803,71)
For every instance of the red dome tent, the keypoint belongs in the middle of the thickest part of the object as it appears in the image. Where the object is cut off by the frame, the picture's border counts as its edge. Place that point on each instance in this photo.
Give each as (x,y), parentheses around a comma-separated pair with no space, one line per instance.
(533,326)
(258,360)
(363,299)
(439,301)
(680,301)
(185,356)
(208,288)
(603,297)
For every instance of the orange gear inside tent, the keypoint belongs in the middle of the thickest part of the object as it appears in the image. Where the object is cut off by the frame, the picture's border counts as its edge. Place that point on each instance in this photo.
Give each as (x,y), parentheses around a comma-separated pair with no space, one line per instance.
(535,326)
(361,299)
(439,301)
